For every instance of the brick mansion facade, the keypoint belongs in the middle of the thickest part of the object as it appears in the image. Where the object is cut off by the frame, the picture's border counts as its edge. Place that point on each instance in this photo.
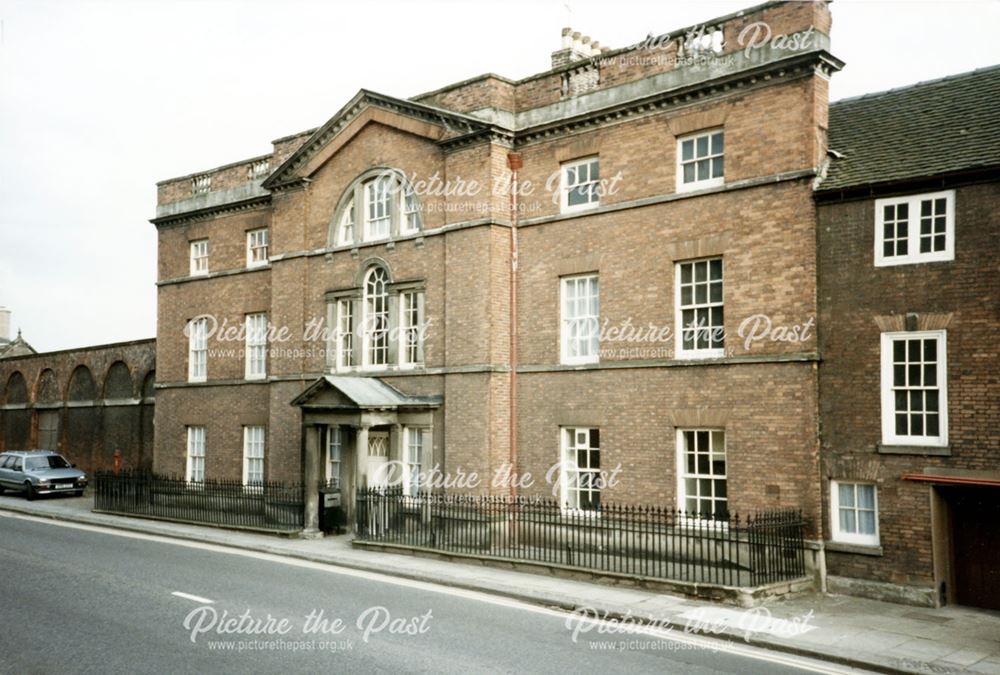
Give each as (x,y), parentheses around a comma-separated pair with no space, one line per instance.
(670,274)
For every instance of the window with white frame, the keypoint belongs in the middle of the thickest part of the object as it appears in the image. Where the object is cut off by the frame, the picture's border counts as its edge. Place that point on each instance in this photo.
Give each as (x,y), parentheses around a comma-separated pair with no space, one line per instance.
(257,243)
(344,335)
(581,468)
(854,513)
(194,471)
(699,308)
(414,439)
(345,234)
(701,473)
(253,455)
(380,204)
(914,388)
(580,181)
(915,229)
(700,161)
(580,315)
(197,330)
(256,346)
(410,328)
(378,212)
(376,318)
(410,222)
(334,455)
(199,257)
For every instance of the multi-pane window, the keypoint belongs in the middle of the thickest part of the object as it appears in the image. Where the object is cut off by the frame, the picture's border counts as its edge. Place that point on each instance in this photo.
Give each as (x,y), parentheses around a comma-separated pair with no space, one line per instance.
(702,473)
(413,447)
(410,328)
(197,330)
(346,229)
(376,320)
(411,214)
(914,384)
(334,455)
(253,455)
(581,468)
(195,465)
(199,257)
(378,214)
(344,335)
(580,181)
(854,513)
(580,311)
(256,346)
(376,208)
(700,161)
(699,308)
(915,229)
(257,242)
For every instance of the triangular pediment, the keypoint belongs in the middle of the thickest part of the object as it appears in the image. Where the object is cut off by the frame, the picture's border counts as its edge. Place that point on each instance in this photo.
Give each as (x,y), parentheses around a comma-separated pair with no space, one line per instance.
(359,393)
(432,123)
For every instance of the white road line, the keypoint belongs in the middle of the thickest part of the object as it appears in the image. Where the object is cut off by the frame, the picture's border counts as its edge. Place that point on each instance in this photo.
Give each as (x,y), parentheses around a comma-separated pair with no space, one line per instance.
(196,598)
(713,644)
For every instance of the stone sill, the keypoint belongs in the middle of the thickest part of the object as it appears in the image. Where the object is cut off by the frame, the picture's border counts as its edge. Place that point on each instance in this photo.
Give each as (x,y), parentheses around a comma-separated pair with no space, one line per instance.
(938,451)
(859,549)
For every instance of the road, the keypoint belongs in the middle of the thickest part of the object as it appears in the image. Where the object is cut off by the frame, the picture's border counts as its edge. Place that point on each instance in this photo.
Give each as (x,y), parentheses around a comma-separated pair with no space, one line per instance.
(75,598)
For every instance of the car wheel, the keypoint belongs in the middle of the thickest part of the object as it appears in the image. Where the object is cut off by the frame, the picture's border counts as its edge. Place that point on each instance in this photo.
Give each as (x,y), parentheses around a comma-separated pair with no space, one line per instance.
(2,489)
(78,493)
(30,492)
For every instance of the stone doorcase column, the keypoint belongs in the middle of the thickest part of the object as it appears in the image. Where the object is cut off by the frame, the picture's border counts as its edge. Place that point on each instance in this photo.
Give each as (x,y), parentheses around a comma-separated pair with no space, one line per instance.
(310,482)
(360,459)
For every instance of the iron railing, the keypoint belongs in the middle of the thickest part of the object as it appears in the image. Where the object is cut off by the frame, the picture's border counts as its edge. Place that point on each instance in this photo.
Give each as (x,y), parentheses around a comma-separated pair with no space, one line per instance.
(271,506)
(645,541)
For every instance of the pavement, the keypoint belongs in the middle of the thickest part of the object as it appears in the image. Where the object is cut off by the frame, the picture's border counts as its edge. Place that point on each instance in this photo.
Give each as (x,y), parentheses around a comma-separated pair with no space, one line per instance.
(856,632)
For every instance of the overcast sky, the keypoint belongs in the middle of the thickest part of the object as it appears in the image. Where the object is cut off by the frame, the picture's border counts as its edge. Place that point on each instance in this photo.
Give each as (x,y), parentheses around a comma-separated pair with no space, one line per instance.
(99,100)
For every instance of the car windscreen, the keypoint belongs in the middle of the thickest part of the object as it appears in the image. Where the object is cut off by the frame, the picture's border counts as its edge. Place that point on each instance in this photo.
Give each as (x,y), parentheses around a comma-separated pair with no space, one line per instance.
(47,462)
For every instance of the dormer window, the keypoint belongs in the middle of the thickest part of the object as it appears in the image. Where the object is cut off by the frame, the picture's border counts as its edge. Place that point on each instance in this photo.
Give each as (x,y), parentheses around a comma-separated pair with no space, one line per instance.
(380,205)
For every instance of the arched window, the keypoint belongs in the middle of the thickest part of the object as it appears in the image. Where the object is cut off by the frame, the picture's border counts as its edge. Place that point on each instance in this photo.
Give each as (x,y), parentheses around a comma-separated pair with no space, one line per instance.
(345,233)
(379,205)
(376,321)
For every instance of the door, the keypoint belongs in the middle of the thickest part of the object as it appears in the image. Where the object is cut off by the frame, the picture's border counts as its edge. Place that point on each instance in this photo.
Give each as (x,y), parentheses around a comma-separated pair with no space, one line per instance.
(378,459)
(976,523)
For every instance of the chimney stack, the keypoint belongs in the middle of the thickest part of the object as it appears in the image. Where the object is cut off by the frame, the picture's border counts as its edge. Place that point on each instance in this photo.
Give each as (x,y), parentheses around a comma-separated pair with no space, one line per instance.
(4,325)
(575,47)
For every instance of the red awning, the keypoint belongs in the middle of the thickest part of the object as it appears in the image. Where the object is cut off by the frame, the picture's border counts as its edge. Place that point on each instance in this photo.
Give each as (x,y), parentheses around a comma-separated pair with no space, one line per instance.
(951,480)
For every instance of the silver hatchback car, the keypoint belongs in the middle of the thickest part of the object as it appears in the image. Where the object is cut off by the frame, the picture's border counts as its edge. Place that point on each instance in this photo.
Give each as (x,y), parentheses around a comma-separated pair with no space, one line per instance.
(40,472)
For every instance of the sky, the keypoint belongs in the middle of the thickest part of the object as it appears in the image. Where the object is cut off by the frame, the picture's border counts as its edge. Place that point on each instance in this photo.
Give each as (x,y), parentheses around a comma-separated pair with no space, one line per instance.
(100,100)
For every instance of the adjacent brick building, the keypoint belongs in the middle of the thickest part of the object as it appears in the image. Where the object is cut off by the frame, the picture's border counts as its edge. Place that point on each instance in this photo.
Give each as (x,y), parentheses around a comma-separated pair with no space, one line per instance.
(909,298)
(656,185)
(85,403)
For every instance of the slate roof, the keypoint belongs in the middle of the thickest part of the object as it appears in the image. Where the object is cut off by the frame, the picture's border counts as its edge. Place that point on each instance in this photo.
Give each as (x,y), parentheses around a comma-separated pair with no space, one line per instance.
(927,129)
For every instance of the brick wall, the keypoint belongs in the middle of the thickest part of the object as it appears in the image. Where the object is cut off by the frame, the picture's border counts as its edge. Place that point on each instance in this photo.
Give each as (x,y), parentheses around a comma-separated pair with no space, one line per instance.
(852,293)
(103,396)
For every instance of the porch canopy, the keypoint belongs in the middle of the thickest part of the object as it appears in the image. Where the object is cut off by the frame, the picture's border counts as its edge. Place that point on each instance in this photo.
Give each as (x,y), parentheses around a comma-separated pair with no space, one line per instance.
(359,403)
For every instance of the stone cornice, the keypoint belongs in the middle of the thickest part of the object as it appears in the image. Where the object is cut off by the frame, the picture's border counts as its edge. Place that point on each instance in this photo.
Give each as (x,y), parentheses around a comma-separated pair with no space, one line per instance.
(456,123)
(212,211)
